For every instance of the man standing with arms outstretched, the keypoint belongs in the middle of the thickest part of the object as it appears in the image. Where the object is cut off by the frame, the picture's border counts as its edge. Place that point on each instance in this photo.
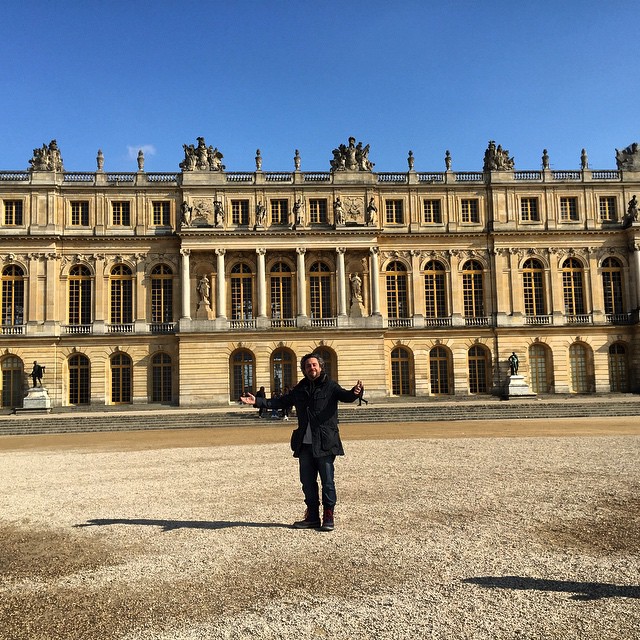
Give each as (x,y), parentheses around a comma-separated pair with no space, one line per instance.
(316,442)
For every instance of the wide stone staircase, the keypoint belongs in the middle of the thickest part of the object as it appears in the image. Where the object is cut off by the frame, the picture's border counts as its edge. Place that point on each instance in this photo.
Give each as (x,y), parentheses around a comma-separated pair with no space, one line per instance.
(385,411)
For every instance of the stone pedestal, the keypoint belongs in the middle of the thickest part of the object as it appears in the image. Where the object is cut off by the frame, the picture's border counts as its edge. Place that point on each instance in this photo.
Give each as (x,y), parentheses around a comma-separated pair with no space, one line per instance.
(36,401)
(204,311)
(357,310)
(518,388)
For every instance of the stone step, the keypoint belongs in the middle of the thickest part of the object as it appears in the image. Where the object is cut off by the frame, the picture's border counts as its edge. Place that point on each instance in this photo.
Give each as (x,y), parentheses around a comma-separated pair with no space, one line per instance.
(378,413)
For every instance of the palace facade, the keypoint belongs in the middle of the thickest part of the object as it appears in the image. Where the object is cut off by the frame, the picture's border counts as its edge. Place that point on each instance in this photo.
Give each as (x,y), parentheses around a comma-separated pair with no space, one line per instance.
(192,287)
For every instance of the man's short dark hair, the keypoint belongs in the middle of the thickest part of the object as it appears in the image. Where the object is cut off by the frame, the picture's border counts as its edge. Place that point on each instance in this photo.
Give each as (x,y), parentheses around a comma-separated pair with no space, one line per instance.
(317,356)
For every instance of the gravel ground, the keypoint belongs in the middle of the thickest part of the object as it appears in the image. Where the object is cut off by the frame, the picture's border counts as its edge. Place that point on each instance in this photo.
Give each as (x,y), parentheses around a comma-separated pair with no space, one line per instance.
(526,537)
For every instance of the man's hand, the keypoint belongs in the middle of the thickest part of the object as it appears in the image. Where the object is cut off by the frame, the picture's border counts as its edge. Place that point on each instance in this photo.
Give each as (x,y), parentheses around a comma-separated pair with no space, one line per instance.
(248,399)
(358,388)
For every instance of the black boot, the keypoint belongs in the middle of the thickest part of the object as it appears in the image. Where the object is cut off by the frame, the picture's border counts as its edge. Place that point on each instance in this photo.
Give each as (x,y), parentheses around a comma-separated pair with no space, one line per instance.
(311,520)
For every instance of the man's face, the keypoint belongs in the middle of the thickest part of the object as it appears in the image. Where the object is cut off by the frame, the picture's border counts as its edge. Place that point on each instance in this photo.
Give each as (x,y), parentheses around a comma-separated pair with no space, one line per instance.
(312,368)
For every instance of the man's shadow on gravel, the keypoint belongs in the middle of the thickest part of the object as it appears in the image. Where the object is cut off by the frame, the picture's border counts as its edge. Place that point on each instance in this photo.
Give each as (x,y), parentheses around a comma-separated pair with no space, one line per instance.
(172,525)
(580,590)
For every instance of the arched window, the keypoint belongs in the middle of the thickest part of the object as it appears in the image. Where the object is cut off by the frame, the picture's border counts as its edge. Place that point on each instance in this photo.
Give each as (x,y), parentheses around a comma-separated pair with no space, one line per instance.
(618,368)
(540,369)
(121,283)
(580,367)
(434,290)
(397,291)
(161,294)
(473,289)
(241,292)
(121,378)
(12,296)
(161,378)
(401,373)
(79,295)
(440,372)
(330,363)
(12,381)
(283,366)
(478,370)
(612,286)
(320,290)
(572,286)
(79,379)
(243,373)
(281,291)
(533,288)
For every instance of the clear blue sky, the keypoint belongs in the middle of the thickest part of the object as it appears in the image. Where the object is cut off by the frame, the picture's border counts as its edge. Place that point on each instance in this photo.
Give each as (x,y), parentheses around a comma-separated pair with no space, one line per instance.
(283,75)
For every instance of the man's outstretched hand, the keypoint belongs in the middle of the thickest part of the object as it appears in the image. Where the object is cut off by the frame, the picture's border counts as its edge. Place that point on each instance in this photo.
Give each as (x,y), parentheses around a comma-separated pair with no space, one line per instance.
(358,388)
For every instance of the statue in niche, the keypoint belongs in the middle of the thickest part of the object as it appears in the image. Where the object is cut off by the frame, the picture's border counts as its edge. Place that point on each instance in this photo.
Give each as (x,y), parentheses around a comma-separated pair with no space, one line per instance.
(356,288)
(204,290)
(186,214)
(497,158)
(201,157)
(298,213)
(632,212)
(629,158)
(339,215)
(261,214)
(371,218)
(351,157)
(218,213)
(47,158)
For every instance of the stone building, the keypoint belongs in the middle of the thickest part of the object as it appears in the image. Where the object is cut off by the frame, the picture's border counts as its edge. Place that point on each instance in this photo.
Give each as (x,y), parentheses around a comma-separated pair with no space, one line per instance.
(191,287)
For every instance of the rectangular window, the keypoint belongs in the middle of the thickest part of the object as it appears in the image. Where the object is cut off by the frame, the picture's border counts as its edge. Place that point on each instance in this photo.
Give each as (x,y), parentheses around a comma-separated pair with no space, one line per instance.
(318,211)
(161,213)
(432,212)
(13,212)
(121,214)
(279,212)
(529,210)
(394,211)
(470,211)
(569,209)
(240,212)
(608,209)
(80,213)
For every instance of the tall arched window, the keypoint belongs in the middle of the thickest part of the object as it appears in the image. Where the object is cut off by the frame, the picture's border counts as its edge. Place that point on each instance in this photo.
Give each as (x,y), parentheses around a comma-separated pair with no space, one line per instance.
(241,292)
(161,294)
(330,363)
(440,372)
(79,379)
(121,378)
(478,370)
(533,288)
(540,369)
(12,296)
(79,295)
(572,286)
(434,290)
(580,367)
(473,289)
(320,290)
(612,286)
(281,291)
(401,372)
(121,284)
(618,368)
(12,381)
(243,373)
(283,366)
(161,378)
(397,291)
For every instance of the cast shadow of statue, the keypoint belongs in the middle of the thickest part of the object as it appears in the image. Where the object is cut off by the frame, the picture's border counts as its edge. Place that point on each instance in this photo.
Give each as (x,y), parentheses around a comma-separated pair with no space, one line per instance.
(580,590)
(172,525)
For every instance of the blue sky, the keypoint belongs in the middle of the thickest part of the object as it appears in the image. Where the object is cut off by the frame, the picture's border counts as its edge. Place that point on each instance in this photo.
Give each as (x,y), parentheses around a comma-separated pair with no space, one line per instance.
(284,75)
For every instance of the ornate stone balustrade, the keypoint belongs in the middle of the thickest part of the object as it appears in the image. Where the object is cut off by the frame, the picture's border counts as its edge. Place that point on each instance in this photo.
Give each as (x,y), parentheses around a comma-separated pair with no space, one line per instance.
(538,320)
(582,318)
(431,177)
(567,175)
(470,176)
(398,178)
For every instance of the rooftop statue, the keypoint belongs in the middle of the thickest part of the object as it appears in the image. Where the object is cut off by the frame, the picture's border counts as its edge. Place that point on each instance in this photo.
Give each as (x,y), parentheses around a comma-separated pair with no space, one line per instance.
(497,158)
(47,158)
(629,159)
(351,157)
(201,158)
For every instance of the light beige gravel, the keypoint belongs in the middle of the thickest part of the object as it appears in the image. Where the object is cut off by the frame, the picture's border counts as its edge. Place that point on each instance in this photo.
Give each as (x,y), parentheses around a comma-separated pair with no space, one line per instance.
(436,537)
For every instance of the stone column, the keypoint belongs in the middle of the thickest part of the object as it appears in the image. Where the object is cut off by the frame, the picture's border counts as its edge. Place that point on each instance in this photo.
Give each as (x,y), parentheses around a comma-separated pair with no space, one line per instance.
(636,255)
(340,282)
(302,283)
(262,283)
(221,291)
(186,284)
(140,318)
(375,280)
(33,311)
